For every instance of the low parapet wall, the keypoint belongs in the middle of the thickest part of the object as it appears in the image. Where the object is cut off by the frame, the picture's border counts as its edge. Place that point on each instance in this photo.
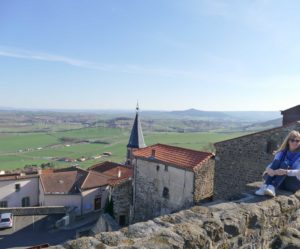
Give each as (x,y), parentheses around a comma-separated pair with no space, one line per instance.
(252,223)
(35,210)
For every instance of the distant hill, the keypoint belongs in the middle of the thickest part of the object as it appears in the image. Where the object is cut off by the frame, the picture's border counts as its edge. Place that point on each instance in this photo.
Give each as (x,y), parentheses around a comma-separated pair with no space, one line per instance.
(254,116)
(189,114)
(194,114)
(199,113)
(264,125)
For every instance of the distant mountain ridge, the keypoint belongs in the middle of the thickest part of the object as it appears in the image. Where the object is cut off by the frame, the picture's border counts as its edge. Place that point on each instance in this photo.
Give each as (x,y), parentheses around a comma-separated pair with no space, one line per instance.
(190,114)
(199,113)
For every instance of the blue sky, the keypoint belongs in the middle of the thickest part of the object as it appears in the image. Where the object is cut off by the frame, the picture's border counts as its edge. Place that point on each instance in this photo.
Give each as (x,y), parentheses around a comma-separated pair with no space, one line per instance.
(168,54)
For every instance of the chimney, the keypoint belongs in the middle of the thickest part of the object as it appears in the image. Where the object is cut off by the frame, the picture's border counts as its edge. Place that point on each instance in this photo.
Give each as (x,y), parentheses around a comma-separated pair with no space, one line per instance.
(119,173)
(153,153)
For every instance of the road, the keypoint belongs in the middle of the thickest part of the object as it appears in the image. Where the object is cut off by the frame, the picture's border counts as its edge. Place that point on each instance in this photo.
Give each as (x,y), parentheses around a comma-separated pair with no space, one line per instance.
(34,230)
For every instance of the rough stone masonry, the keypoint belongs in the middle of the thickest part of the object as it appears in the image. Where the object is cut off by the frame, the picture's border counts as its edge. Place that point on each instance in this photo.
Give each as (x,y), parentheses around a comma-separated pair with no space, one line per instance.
(242,160)
(251,223)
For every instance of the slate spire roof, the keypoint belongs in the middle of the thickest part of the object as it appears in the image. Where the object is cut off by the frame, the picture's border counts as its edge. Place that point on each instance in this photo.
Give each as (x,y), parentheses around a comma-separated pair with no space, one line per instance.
(136,139)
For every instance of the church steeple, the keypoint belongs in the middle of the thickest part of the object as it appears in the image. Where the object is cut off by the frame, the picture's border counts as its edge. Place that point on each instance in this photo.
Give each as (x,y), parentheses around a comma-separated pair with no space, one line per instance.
(136,140)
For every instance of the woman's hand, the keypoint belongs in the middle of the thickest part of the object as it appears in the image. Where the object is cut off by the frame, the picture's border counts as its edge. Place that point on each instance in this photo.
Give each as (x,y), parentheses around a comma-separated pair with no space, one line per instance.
(270,172)
(280,172)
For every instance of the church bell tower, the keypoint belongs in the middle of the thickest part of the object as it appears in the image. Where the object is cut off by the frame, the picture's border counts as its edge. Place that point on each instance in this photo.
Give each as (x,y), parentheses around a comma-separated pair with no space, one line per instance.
(136,140)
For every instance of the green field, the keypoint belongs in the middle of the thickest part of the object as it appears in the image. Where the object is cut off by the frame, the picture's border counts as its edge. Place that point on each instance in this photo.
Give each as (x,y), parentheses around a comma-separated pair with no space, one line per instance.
(20,149)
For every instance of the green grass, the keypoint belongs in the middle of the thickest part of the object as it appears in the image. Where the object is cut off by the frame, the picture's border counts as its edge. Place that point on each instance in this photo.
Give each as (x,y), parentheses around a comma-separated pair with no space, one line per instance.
(117,139)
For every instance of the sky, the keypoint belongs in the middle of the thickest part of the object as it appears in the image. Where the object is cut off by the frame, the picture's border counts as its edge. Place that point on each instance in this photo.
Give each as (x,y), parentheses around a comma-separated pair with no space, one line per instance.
(167,54)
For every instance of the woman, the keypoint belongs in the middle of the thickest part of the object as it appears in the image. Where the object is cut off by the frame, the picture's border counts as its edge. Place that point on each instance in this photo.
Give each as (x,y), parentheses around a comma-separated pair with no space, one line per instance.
(284,171)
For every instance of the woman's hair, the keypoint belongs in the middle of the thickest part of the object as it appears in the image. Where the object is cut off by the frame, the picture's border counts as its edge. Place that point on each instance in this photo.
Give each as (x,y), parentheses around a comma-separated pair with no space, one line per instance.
(285,145)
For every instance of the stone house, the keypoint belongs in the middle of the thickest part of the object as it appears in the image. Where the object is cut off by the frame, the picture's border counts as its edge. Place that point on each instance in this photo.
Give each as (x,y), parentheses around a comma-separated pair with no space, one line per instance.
(242,160)
(121,188)
(85,191)
(19,190)
(168,179)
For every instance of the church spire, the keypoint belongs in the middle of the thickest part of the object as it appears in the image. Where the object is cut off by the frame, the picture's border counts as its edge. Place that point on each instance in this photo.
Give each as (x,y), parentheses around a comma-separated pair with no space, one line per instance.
(136,140)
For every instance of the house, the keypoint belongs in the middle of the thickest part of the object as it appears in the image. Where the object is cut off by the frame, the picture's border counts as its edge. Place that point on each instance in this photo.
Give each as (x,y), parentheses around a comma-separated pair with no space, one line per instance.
(291,115)
(121,189)
(242,160)
(85,191)
(19,190)
(169,178)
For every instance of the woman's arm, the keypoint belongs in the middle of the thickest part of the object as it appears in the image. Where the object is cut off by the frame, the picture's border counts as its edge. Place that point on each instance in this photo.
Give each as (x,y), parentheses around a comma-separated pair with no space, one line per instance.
(296,169)
(290,172)
(293,172)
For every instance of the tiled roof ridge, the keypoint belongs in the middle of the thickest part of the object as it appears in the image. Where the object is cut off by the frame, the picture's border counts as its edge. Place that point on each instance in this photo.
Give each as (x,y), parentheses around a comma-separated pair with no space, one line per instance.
(103,163)
(181,148)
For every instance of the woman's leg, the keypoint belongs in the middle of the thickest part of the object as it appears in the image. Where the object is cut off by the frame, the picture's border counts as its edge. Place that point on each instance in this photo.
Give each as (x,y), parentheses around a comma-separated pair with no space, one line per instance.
(275,181)
(291,183)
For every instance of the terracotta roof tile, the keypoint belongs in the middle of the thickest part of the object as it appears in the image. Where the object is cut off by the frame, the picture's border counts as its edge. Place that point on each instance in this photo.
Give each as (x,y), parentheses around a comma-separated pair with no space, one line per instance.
(59,183)
(177,156)
(104,166)
(94,180)
(115,171)
(71,181)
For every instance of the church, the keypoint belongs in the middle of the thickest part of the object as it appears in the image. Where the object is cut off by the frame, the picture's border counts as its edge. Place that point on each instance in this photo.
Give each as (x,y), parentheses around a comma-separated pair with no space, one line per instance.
(166,178)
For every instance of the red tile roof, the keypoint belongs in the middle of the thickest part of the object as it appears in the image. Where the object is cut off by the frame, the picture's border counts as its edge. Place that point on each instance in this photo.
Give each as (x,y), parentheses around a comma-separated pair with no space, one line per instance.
(59,183)
(94,180)
(71,181)
(104,166)
(177,156)
(115,171)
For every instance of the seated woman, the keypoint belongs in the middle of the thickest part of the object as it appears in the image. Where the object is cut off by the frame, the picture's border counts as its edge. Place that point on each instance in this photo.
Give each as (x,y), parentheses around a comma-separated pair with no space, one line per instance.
(284,171)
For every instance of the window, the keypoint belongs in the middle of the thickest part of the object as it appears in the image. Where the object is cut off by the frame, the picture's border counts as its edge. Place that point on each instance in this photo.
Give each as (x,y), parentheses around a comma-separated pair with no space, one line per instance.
(17,187)
(271,146)
(97,203)
(26,202)
(3,204)
(166,168)
(157,168)
(166,193)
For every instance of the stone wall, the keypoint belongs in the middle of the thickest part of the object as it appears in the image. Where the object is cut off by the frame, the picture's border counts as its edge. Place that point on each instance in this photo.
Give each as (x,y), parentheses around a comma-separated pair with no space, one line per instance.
(204,181)
(105,223)
(122,200)
(151,178)
(35,210)
(255,223)
(243,160)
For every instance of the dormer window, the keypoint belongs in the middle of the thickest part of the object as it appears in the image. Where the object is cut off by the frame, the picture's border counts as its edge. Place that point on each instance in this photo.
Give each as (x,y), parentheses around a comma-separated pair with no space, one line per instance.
(17,187)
